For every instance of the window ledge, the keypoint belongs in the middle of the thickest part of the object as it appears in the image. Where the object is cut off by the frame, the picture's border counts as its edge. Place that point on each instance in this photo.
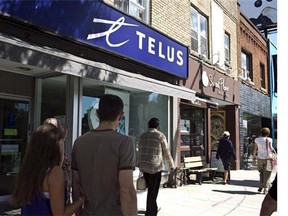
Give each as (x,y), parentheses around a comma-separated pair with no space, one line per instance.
(263,90)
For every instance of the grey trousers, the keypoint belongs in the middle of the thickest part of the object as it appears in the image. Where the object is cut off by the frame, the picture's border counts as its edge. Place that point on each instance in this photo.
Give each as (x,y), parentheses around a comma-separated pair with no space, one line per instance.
(264,174)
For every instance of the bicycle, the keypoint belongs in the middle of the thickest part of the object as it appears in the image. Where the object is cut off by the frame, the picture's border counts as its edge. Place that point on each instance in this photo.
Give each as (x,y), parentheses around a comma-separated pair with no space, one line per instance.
(245,161)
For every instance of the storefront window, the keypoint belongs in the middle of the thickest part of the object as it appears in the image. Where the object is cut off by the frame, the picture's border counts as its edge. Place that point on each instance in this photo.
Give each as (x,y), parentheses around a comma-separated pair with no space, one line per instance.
(139,108)
(192,127)
(14,115)
(53,99)
(144,106)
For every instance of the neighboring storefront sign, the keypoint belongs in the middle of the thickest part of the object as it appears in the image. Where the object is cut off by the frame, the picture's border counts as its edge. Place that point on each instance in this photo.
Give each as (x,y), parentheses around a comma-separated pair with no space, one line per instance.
(102,26)
(209,82)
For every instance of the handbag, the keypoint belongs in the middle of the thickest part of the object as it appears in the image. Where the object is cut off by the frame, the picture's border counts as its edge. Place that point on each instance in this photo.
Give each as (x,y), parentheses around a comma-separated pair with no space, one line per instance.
(141,183)
(271,158)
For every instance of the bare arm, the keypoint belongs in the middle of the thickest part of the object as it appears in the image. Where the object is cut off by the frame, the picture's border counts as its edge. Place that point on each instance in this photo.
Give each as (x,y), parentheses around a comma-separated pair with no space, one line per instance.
(56,183)
(269,205)
(76,188)
(128,196)
(254,152)
(271,146)
(167,154)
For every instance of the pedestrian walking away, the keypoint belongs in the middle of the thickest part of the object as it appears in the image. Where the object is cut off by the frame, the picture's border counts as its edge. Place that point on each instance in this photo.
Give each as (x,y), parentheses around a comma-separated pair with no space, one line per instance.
(262,148)
(40,186)
(153,149)
(102,164)
(224,152)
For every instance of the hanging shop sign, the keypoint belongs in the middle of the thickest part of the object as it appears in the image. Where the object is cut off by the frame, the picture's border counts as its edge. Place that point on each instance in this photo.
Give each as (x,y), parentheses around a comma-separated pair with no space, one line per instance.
(102,26)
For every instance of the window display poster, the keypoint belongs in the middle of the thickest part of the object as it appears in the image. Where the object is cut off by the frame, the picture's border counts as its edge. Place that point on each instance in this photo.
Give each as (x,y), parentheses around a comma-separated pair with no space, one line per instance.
(10,149)
(92,104)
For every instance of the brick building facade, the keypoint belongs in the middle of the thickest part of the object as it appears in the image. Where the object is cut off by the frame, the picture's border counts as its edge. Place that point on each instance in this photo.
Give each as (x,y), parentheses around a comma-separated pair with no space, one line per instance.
(255,111)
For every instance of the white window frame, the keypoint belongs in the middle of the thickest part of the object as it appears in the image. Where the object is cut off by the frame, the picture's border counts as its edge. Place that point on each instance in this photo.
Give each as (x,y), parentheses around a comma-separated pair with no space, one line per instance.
(262,75)
(227,50)
(136,8)
(200,30)
(246,65)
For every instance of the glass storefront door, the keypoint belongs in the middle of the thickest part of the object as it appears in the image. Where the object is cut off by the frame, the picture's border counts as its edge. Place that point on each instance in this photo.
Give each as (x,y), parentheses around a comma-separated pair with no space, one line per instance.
(14,121)
(192,130)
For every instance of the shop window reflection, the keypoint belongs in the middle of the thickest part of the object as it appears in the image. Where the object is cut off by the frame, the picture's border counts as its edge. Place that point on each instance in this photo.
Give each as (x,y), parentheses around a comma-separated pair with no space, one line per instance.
(192,127)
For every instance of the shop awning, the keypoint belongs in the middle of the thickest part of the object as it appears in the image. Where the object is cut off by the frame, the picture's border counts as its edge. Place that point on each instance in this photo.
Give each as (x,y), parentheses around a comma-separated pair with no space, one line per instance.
(77,66)
(206,101)
(158,87)
(137,81)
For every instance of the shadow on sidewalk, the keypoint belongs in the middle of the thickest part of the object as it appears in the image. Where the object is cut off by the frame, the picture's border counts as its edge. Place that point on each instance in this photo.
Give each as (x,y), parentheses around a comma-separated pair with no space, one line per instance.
(247,183)
(237,192)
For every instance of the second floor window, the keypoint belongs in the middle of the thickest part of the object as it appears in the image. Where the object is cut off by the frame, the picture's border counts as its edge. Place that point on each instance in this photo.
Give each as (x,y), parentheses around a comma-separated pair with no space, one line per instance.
(262,75)
(136,8)
(199,40)
(246,65)
(227,47)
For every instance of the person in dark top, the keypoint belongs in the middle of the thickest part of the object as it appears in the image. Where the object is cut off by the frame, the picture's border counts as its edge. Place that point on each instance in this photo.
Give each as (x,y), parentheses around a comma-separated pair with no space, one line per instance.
(224,152)
(269,204)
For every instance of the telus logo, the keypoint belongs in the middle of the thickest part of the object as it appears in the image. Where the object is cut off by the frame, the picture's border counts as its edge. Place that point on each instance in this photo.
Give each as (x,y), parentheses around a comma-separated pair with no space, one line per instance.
(145,42)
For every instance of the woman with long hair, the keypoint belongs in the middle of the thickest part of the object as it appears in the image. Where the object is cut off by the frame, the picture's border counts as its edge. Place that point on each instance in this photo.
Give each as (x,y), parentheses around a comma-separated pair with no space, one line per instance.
(66,165)
(40,185)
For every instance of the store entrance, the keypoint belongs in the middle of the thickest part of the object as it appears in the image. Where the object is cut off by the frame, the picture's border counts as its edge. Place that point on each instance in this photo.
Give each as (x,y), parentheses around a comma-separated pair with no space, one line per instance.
(14,121)
(192,129)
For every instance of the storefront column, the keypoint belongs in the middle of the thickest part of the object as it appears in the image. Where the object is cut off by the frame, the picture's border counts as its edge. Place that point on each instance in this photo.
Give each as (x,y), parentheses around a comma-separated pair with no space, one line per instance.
(209,149)
(73,112)
(232,124)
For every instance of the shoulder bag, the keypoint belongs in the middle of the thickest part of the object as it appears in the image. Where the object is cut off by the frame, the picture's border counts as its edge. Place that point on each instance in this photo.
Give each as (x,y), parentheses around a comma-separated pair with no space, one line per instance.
(141,183)
(271,158)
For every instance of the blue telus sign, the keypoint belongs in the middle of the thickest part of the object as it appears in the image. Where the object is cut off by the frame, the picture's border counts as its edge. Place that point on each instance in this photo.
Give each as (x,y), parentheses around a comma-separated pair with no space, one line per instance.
(100,25)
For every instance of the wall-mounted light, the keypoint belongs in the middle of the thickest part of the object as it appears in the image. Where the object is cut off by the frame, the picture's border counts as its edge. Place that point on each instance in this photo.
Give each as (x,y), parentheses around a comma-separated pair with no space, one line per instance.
(203,57)
(218,59)
(228,69)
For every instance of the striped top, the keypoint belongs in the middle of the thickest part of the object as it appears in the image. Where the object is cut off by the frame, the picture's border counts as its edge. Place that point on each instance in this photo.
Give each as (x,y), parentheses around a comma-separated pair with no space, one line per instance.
(153,149)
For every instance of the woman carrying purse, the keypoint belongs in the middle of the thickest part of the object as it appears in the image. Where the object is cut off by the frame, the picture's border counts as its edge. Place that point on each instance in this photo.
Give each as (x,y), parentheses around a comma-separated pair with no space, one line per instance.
(262,148)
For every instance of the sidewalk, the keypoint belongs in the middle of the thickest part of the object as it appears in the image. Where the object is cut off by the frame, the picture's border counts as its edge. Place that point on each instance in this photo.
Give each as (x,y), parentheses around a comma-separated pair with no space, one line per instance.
(240,197)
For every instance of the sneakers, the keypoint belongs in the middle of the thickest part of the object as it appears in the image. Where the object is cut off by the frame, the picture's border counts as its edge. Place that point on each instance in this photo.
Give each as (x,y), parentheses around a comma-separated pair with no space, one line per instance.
(265,191)
(260,189)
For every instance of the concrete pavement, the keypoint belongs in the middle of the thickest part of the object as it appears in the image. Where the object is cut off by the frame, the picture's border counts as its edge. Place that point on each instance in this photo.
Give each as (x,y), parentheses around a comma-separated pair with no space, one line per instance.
(240,197)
